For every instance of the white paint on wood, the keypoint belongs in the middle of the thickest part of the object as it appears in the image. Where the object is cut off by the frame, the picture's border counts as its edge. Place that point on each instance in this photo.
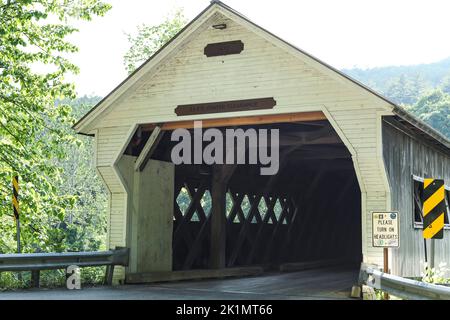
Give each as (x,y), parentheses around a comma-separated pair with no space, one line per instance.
(266,67)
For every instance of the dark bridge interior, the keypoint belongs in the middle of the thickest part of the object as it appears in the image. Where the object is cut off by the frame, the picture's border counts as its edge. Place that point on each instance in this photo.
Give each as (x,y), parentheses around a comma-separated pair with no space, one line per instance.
(310,210)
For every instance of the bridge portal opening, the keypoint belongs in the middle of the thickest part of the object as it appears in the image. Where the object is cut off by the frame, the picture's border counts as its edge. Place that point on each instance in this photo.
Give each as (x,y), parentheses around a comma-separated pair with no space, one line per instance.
(309,211)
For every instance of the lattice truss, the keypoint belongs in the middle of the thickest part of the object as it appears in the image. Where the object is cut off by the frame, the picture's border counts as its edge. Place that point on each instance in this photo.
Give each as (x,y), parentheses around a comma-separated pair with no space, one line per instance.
(256,224)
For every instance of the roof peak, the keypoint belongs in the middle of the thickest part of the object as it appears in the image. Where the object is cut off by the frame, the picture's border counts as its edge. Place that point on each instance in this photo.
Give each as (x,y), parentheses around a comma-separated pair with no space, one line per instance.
(395,108)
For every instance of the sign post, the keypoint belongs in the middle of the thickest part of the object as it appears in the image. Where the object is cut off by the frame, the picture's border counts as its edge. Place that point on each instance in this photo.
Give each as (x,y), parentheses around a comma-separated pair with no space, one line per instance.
(15,201)
(385,234)
(433,212)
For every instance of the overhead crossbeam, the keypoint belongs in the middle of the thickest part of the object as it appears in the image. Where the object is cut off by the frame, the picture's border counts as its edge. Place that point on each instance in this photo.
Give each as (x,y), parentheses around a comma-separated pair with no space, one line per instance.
(243,121)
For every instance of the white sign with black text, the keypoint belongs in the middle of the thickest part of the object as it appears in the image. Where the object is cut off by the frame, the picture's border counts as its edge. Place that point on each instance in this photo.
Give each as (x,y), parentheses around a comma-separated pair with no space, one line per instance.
(385,230)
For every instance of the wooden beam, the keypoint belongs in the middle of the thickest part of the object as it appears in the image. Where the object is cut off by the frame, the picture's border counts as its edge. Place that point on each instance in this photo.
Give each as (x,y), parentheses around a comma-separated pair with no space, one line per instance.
(149,148)
(243,121)
(220,177)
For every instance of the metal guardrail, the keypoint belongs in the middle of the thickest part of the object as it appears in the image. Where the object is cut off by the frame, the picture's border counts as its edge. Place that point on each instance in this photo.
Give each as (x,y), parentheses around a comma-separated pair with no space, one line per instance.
(35,262)
(402,287)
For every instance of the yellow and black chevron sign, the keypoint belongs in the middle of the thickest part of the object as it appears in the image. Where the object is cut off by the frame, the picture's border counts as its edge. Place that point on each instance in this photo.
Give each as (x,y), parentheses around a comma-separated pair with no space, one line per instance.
(15,198)
(433,208)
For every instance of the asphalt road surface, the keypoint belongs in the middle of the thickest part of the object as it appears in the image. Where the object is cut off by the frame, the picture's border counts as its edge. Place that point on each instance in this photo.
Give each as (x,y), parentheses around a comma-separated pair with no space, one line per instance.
(333,283)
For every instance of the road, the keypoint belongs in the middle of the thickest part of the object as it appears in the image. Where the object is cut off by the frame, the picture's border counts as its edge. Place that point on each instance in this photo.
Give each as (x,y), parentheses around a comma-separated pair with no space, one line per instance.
(320,284)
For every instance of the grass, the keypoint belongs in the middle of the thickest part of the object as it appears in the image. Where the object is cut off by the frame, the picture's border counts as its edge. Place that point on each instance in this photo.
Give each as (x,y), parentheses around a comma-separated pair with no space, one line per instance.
(90,276)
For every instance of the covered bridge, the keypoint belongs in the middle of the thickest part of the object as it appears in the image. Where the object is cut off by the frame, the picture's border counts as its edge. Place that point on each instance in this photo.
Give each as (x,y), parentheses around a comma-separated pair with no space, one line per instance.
(345,151)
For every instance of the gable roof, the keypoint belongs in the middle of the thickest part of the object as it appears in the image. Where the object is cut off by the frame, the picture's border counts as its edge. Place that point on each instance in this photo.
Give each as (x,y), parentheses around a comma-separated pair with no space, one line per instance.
(114,94)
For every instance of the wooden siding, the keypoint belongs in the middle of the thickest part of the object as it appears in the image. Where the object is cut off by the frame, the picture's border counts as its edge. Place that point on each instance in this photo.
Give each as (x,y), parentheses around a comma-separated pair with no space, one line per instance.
(109,142)
(262,69)
(405,156)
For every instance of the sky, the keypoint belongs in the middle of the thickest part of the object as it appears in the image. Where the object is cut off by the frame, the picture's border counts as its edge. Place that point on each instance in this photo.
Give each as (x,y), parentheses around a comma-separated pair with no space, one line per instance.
(344,33)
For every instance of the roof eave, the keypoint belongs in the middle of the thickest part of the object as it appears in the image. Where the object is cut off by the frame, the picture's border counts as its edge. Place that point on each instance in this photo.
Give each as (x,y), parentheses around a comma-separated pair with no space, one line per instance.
(81,124)
(399,111)
(421,125)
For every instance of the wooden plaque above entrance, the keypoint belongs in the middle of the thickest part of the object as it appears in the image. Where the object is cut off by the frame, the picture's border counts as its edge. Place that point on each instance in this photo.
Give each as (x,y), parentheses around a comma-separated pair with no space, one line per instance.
(224,48)
(225,106)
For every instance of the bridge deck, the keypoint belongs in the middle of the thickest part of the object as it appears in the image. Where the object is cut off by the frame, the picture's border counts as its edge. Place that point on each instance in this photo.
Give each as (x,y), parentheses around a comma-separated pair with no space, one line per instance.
(332,283)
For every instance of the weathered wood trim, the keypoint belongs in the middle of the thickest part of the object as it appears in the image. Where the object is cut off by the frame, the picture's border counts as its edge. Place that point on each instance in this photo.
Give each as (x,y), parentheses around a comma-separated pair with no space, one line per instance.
(381,164)
(149,148)
(407,157)
(413,135)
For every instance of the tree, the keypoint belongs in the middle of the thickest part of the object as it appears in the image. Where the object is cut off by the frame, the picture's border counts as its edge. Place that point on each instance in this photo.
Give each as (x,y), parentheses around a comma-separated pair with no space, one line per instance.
(33,128)
(150,39)
(434,108)
(445,85)
(405,90)
(85,223)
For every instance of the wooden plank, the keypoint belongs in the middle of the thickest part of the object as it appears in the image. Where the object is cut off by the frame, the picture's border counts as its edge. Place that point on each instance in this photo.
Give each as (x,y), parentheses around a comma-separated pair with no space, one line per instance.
(223,48)
(192,274)
(225,106)
(243,121)
(149,148)
(220,178)
(406,156)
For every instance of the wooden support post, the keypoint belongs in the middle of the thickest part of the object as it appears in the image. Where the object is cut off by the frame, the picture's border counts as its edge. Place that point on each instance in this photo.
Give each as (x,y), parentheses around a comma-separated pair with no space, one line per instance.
(35,278)
(220,177)
(109,275)
(386,267)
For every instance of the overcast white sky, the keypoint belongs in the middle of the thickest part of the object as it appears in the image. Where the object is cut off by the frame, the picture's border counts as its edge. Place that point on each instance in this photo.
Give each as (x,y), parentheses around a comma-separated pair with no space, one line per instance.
(344,33)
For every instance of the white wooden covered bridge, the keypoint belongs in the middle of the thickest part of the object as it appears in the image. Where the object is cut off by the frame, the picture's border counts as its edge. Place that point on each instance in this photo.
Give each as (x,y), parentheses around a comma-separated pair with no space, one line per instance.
(345,151)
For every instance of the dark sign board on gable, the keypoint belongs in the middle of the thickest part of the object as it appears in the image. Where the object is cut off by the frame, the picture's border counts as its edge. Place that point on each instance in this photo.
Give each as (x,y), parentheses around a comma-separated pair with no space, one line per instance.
(225,106)
(224,48)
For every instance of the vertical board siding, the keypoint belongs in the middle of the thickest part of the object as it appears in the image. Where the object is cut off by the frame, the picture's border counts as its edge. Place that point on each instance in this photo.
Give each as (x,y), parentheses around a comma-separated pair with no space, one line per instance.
(405,156)
(261,70)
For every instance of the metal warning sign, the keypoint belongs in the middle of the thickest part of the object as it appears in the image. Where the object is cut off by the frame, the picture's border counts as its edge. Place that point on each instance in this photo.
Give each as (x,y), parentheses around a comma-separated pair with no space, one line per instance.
(15,197)
(433,208)
(385,232)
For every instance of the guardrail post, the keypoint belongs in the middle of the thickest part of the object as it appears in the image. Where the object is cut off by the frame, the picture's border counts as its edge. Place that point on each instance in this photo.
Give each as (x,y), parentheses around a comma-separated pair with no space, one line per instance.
(109,275)
(35,278)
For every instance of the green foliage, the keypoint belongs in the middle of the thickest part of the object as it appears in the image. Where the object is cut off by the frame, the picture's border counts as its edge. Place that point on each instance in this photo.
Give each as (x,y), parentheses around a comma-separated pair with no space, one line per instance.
(90,276)
(84,227)
(445,85)
(431,74)
(33,129)
(436,275)
(422,89)
(434,108)
(150,39)
(404,90)
(11,281)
